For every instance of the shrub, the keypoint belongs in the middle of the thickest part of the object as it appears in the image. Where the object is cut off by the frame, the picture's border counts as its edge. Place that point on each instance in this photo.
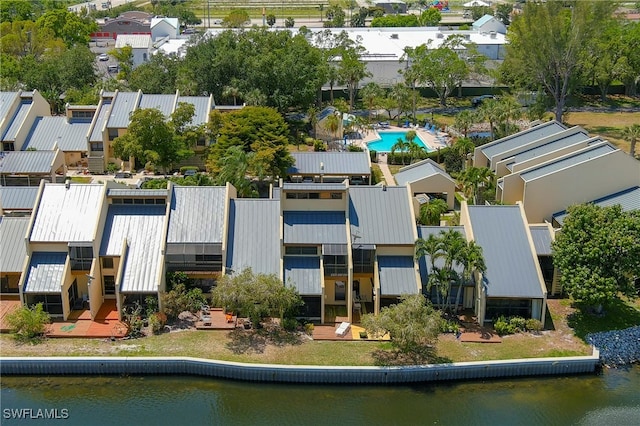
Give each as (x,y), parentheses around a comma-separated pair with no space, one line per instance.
(449,326)
(29,324)
(289,324)
(364,335)
(112,167)
(308,328)
(319,146)
(374,156)
(533,325)
(518,323)
(132,318)
(157,322)
(354,148)
(151,302)
(178,300)
(503,326)
(185,168)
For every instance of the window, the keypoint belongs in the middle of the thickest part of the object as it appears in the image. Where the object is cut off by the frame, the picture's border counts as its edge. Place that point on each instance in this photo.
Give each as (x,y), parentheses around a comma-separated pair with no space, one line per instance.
(97,146)
(81,257)
(341,291)
(109,284)
(113,133)
(335,265)
(301,250)
(5,286)
(82,114)
(107,262)
(51,303)
(201,142)
(303,195)
(336,195)
(8,146)
(363,261)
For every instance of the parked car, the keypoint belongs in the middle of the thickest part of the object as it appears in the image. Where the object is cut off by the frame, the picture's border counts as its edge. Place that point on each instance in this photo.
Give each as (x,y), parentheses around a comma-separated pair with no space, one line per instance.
(477,101)
(103,57)
(113,68)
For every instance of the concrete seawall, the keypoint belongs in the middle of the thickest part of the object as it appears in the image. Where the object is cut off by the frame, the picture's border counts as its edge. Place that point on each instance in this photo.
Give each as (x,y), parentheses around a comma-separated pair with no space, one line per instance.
(47,366)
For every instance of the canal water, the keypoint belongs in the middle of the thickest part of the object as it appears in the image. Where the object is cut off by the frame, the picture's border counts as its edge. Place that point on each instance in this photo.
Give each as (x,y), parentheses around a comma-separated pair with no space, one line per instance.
(612,399)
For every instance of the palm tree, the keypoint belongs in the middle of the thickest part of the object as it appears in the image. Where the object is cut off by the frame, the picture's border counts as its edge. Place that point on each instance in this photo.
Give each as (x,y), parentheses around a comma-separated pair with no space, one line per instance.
(333,123)
(473,178)
(463,147)
(400,145)
(453,246)
(491,112)
(235,165)
(312,112)
(508,109)
(472,260)
(231,92)
(370,93)
(414,150)
(431,212)
(632,134)
(431,247)
(463,121)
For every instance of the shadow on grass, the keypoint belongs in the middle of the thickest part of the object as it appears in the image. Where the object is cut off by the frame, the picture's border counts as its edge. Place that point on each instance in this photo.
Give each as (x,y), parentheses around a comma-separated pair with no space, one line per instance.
(396,357)
(549,325)
(256,341)
(617,316)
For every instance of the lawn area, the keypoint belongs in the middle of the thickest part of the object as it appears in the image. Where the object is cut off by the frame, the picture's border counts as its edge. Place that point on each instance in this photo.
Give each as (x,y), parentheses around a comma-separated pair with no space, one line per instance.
(609,125)
(619,315)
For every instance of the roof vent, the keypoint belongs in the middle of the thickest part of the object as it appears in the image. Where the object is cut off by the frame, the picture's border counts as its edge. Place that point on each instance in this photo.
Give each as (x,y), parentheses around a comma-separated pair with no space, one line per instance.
(67,183)
(384,187)
(493,34)
(440,35)
(394,36)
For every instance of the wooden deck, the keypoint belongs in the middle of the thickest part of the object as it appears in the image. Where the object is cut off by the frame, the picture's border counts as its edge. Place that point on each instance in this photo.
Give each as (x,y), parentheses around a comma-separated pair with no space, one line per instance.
(79,324)
(218,320)
(8,304)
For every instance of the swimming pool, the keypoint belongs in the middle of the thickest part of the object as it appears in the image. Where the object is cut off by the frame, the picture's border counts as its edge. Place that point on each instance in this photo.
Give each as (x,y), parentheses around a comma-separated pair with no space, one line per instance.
(390,138)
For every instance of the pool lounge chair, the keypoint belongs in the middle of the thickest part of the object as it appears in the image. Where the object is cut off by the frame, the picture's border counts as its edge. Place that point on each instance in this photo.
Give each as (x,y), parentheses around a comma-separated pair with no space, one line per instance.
(343,329)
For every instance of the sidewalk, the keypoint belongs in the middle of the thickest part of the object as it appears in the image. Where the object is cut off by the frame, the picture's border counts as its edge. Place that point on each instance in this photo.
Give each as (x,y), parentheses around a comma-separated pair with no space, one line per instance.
(384,168)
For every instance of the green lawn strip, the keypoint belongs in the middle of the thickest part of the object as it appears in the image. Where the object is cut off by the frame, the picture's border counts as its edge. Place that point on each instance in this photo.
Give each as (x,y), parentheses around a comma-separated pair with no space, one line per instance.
(618,316)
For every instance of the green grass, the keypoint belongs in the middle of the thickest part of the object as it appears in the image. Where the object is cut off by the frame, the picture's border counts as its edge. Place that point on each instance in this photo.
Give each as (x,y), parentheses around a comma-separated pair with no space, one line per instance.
(81,179)
(619,315)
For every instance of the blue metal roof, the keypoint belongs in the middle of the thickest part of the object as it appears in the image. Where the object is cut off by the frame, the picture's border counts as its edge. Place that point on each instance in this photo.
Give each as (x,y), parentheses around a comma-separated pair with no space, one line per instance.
(141,227)
(512,267)
(45,272)
(397,275)
(100,119)
(165,103)
(310,187)
(17,120)
(315,227)
(381,215)
(130,192)
(13,248)
(6,100)
(123,105)
(561,140)
(541,239)
(197,214)
(330,163)
(420,170)
(27,162)
(567,161)
(521,138)
(303,272)
(254,236)
(629,200)
(18,197)
(48,132)
(203,107)
(483,20)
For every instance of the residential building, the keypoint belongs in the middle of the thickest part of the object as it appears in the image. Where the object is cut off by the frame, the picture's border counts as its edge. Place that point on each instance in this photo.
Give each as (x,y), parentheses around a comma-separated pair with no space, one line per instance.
(28,168)
(141,46)
(427,180)
(18,112)
(331,167)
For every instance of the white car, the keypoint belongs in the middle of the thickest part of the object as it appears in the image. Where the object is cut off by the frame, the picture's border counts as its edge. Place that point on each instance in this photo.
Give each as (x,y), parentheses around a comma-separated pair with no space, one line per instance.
(103,57)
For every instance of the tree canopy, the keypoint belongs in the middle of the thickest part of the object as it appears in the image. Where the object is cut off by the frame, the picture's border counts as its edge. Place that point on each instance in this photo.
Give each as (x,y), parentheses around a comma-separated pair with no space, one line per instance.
(598,254)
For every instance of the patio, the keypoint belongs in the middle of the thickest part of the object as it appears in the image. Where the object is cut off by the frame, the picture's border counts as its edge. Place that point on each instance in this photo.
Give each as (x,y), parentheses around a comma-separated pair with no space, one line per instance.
(8,304)
(216,319)
(79,324)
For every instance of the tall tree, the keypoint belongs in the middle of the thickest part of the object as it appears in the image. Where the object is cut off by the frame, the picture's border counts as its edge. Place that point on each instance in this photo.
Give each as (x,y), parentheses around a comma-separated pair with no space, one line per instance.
(158,75)
(474,178)
(546,44)
(598,254)
(632,134)
(431,212)
(351,71)
(234,169)
(237,18)
(472,261)
(371,94)
(68,26)
(463,121)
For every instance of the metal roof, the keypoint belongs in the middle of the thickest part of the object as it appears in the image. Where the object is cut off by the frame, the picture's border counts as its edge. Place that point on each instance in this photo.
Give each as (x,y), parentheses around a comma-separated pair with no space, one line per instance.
(123,105)
(197,214)
(567,161)
(397,275)
(254,236)
(424,263)
(45,272)
(164,103)
(629,200)
(420,170)
(18,197)
(521,138)
(27,162)
(541,239)
(129,192)
(141,227)
(560,140)
(6,100)
(313,186)
(13,248)
(202,108)
(67,215)
(315,227)
(48,132)
(17,120)
(136,41)
(303,273)
(483,20)
(380,215)
(512,269)
(330,163)
(100,118)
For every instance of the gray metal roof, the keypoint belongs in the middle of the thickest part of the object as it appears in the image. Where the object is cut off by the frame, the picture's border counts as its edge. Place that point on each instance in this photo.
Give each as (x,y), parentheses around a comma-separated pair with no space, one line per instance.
(45,272)
(567,161)
(254,236)
(136,41)
(541,239)
(202,108)
(629,200)
(142,227)
(17,120)
(67,215)
(6,100)
(397,275)
(27,162)
(100,118)
(559,141)
(424,263)
(380,215)
(315,227)
(18,197)
(13,248)
(303,272)
(129,192)
(197,214)
(47,132)
(335,163)
(123,105)
(164,103)
(512,269)
(288,186)
(521,138)
(420,170)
